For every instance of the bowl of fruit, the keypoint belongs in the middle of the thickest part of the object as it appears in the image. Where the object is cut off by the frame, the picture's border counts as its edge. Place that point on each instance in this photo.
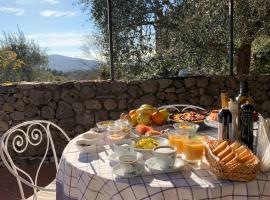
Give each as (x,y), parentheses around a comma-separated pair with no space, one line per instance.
(196,117)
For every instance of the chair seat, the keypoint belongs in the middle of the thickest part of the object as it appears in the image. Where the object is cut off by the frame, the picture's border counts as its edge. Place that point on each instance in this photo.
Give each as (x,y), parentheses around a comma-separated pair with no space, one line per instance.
(46,195)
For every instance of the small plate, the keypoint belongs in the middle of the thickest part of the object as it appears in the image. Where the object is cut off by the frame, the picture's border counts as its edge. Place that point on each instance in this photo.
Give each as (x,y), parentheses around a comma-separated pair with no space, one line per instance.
(117,170)
(114,156)
(152,164)
(211,123)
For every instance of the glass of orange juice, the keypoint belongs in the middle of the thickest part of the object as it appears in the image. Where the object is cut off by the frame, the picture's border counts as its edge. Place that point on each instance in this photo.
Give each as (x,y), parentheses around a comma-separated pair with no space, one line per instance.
(177,140)
(193,149)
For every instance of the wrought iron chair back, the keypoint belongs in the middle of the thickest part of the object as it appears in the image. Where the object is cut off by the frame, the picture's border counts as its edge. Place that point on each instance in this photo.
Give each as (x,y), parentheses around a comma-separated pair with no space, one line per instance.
(21,136)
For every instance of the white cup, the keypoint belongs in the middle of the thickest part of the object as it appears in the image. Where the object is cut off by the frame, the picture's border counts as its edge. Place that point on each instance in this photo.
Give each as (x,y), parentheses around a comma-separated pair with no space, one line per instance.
(128,163)
(165,156)
(123,147)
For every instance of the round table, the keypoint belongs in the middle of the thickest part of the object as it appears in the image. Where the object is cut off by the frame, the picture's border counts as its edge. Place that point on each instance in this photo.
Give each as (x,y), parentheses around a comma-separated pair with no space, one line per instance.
(89,176)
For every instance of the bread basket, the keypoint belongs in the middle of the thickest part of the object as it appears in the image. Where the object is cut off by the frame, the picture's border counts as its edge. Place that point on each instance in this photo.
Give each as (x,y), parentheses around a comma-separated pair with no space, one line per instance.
(237,171)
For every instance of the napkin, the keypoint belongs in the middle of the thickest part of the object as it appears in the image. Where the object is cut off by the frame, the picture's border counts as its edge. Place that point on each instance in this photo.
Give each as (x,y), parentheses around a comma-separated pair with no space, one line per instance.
(263,143)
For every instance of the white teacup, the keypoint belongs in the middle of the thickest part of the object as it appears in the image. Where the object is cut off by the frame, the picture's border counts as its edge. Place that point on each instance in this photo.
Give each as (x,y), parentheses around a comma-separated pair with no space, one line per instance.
(165,156)
(128,163)
(123,147)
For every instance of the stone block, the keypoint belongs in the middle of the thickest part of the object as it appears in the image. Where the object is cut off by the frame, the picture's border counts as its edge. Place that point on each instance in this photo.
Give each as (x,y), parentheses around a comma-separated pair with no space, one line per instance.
(3,126)
(67,124)
(87,92)
(135,91)
(8,107)
(30,110)
(178,83)
(19,105)
(40,97)
(93,104)
(170,89)
(149,99)
(64,110)
(18,116)
(202,81)
(122,104)
(266,106)
(190,82)
(103,88)
(78,107)
(119,87)
(4,116)
(206,100)
(70,96)
(164,83)
(47,112)
(87,118)
(149,86)
(11,99)
(110,104)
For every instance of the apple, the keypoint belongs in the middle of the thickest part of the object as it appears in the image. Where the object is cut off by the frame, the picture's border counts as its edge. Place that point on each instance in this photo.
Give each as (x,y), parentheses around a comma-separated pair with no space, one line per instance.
(165,113)
(143,118)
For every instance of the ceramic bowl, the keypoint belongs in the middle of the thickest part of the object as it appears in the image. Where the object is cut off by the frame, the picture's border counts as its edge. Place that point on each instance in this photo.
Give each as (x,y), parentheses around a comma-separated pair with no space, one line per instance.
(105,124)
(85,146)
(185,127)
(95,137)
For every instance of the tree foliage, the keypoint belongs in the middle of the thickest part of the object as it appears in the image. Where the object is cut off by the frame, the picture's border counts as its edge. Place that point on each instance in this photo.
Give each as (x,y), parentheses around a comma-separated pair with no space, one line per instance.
(160,37)
(21,59)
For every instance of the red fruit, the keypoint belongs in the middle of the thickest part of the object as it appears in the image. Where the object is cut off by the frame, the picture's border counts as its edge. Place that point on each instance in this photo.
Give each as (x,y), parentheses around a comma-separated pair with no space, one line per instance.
(141,129)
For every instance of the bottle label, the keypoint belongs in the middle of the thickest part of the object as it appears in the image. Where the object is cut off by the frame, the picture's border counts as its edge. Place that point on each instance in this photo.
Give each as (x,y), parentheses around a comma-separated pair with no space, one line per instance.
(246,128)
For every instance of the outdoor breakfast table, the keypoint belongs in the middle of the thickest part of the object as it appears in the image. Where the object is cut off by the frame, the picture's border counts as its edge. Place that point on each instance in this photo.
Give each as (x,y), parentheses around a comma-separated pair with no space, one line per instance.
(88,176)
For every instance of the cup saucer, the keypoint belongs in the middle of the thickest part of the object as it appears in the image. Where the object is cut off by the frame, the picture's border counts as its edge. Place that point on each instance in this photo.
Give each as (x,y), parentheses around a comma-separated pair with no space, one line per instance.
(153,165)
(114,156)
(117,170)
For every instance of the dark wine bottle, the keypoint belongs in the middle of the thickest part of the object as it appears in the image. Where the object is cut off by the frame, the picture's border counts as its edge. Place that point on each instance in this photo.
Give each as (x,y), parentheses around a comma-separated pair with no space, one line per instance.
(244,96)
(246,124)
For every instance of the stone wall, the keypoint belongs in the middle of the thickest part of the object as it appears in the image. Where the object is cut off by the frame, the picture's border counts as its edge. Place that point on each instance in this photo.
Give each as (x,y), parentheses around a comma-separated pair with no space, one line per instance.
(77,106)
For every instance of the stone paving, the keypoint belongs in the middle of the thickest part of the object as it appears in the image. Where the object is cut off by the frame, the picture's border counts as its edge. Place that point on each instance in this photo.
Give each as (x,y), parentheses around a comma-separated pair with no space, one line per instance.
(9,189)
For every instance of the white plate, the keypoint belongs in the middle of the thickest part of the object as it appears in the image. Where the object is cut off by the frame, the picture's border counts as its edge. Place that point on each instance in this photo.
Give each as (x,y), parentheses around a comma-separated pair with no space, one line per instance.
(114,156)
(161,141)
(133,133)
(117,170)
(211,123)
(154,166)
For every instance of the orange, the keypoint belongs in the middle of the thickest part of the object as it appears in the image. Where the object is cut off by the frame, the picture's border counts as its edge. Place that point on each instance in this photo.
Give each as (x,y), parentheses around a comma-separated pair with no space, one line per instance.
(132,112)
(158,118)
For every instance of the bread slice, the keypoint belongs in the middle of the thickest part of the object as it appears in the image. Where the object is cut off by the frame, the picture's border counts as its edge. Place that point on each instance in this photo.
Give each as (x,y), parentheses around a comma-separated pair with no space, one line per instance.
(225,152)
(220,147)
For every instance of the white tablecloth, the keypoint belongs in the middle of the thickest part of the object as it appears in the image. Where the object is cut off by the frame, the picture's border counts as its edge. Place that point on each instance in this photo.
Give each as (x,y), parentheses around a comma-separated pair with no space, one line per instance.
(89,176)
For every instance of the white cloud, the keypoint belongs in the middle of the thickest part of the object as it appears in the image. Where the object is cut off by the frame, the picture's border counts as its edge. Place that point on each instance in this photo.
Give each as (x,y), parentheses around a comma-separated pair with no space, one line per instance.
(12,10)
(64,43)
(57,13)
(52,1)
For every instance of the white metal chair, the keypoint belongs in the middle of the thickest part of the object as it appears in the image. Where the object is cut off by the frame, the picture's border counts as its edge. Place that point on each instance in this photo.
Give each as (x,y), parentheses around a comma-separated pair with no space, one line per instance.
(18,138)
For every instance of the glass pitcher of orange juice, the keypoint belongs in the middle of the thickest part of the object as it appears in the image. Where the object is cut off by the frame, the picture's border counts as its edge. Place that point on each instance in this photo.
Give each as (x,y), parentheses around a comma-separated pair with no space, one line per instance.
(193,149)
(176,139)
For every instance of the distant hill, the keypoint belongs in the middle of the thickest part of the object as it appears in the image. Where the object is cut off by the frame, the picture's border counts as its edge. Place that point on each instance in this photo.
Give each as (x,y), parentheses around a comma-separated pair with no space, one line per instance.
(67,64)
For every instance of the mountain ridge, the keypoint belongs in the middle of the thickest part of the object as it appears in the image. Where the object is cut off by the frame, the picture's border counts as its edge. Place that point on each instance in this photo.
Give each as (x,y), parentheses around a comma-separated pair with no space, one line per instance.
(68,64)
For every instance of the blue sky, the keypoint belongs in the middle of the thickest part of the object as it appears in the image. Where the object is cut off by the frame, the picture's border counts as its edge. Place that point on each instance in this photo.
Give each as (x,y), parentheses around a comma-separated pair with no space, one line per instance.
(58,25)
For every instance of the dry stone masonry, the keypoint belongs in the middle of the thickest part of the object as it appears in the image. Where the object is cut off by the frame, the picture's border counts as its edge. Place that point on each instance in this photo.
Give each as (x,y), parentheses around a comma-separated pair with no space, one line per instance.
(77,106)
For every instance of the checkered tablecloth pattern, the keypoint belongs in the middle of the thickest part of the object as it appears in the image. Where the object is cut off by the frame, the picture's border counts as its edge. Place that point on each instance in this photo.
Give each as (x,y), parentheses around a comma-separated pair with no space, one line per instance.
(89,176)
